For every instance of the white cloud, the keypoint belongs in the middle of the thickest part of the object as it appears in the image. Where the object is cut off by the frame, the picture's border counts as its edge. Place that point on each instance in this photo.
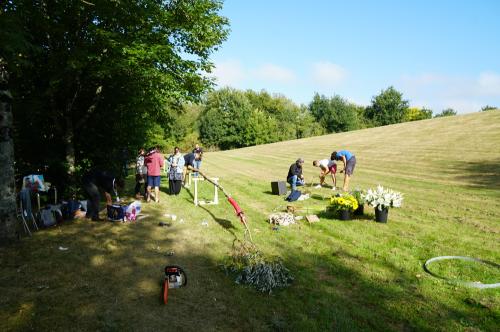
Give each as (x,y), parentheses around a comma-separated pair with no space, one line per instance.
(489,84)
(234,73)
(271,72)
(228,73)
(328,74)
(463,93)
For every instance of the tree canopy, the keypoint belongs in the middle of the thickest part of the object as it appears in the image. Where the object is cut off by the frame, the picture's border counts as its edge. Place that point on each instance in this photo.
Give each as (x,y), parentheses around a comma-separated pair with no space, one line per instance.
(335,114)
(388,107)
(233,118)
(446,112)
(91,77)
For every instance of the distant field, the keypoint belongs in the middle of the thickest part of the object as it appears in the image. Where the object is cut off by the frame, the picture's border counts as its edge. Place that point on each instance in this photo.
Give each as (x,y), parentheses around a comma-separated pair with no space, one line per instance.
(349,276)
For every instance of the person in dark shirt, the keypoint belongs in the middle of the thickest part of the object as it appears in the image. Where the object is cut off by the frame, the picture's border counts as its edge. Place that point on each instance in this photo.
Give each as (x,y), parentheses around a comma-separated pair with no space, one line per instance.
(295,176)
(189,160)
(197,163)
(94,181)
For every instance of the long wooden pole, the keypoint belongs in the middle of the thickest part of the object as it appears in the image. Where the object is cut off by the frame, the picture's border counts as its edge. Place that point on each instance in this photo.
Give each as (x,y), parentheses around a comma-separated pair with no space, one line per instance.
(235,205)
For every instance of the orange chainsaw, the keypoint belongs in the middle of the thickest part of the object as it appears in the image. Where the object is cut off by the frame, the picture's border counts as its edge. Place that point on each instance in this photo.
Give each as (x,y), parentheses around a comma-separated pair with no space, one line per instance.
(175,277)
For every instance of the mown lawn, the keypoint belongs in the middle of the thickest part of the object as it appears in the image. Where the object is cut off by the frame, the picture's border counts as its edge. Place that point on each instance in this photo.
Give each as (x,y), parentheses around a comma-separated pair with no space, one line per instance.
(349,276)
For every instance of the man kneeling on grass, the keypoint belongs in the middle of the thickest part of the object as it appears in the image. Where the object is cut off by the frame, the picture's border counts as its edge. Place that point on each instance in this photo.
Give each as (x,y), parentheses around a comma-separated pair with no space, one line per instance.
(326,166)
(349,161)
(295,177)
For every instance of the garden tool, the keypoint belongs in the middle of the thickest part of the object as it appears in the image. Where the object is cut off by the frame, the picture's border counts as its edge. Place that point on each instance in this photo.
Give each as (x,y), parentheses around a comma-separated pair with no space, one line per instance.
(175,277)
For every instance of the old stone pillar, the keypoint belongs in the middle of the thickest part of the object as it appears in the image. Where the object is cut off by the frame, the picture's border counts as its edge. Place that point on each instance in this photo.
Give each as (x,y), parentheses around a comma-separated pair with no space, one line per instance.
(8,221)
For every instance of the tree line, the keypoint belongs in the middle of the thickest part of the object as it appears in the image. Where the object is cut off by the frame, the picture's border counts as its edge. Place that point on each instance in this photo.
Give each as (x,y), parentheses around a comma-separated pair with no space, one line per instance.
(230,118)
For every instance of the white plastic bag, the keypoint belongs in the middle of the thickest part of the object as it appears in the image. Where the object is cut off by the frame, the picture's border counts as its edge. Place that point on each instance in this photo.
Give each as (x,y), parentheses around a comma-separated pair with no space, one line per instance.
(132,211)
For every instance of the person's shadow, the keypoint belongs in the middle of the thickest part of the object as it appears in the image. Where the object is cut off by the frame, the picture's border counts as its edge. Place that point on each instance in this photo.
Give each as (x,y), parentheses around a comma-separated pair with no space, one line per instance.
(224,223)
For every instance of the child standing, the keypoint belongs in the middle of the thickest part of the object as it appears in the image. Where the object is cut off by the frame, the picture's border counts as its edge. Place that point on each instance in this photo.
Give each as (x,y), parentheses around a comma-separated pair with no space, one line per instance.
(141,172)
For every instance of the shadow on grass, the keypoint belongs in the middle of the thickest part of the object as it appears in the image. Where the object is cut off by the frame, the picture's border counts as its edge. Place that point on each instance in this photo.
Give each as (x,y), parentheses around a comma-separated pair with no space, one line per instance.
(479,174)
(484,174)
(109,278)
(368,217)
(318,197)
(224,223)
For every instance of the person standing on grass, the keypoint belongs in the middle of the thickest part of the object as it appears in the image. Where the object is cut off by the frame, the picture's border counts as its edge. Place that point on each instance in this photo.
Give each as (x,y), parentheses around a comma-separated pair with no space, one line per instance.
(189,160)
(349,161)
(141,173)
(197,163)
(93,182)
(175,172)
(326,166)
(295,177)
(154,162)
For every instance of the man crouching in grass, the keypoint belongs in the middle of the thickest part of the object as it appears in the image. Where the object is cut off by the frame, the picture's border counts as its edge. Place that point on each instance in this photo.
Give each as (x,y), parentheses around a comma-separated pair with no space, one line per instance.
(295,177)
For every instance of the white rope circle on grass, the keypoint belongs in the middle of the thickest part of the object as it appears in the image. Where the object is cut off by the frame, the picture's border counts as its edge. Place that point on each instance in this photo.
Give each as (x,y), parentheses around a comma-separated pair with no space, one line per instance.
(478,284)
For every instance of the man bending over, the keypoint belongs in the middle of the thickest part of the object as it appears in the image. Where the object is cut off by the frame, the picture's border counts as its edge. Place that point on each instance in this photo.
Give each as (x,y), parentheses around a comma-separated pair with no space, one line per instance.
(349,161)
(326,166)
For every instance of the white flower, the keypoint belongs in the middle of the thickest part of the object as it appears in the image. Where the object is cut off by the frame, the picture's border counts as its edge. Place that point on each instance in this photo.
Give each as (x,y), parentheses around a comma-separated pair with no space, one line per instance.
(383,198)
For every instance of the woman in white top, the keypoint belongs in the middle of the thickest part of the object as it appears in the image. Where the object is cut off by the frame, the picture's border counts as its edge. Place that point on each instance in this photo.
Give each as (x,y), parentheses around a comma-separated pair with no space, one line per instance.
(326,166)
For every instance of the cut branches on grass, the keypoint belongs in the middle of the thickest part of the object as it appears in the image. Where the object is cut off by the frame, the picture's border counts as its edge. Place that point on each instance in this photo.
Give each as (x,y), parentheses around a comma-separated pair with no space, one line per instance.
(250,267)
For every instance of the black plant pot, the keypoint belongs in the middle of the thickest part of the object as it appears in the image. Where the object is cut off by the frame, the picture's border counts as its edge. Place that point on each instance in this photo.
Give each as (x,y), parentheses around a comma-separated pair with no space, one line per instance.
(360,210)
(344,215)
(381,216)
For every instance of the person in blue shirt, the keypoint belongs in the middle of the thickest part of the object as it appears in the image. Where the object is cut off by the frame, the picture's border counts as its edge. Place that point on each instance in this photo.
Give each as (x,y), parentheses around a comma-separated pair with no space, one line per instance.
(349,161)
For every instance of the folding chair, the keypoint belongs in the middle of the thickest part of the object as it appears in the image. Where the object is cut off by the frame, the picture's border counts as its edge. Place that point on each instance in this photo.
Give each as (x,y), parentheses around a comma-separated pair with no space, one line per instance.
(25,210)
(36,183)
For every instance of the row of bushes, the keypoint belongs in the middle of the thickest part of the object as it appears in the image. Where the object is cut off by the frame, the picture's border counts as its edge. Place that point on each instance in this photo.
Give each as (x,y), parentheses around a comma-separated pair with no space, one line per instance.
(230,118)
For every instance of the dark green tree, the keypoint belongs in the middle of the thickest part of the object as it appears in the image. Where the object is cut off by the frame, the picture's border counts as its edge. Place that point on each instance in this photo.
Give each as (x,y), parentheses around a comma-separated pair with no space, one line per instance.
(387,108)
(233,118)
(90,77)
(446,112)
(488,108)
(261,128)
(287,115)
(335,114)
(306,125)
(224,120)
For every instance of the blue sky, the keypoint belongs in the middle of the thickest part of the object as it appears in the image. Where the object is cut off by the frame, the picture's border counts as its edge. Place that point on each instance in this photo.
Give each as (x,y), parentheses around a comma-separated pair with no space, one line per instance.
(439,53)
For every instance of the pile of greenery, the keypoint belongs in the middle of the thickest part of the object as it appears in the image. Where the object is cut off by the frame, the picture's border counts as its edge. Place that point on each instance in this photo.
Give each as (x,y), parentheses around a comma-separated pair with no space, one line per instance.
(250,267)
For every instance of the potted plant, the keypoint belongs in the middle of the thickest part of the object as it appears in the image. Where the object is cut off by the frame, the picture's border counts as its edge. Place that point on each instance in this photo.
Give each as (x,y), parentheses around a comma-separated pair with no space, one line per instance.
(343,205)
(382,199)
(358,194)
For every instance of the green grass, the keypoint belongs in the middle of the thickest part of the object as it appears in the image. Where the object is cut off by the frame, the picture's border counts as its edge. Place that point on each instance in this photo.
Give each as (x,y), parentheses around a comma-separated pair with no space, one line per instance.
(349,276)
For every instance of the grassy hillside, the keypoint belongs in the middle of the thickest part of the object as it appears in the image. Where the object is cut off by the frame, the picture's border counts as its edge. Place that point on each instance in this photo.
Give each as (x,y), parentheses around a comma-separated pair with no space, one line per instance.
(349,276)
